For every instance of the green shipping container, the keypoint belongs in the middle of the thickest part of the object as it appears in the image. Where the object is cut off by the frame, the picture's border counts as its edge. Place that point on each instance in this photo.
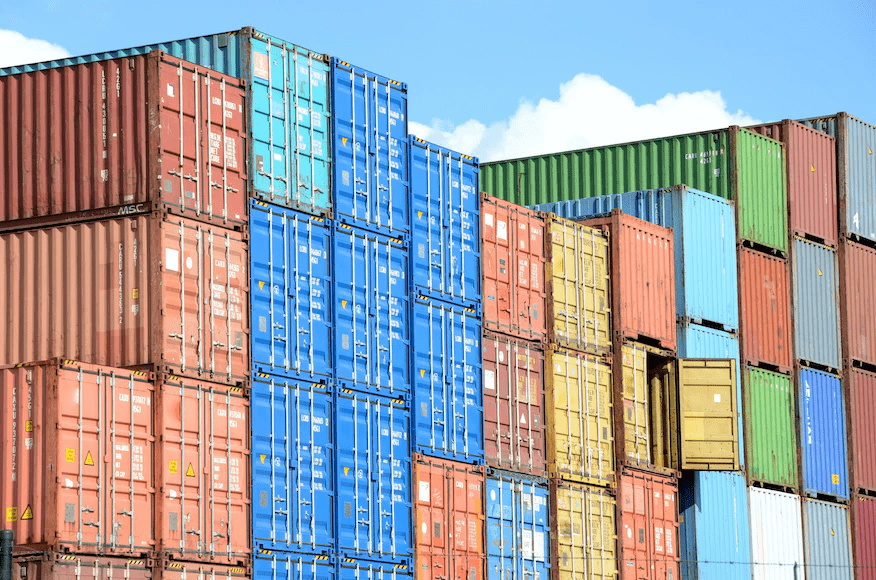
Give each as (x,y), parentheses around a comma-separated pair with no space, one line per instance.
(770,436)
(733,163)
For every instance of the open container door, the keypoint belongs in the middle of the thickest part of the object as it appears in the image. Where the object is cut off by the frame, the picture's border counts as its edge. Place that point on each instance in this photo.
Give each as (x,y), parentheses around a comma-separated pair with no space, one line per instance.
(707,413)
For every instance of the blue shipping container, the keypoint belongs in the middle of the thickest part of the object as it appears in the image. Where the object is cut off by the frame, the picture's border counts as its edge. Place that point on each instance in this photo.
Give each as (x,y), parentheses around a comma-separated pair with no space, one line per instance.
(372,320)
(518,527)
(823,434)
(826,541)
(291,316)
(816,303)
(289,566)
(714,536)
(293,457)
(373,478)
(350,569)
(370,149)
(705,244)
(448,402)
(445,224)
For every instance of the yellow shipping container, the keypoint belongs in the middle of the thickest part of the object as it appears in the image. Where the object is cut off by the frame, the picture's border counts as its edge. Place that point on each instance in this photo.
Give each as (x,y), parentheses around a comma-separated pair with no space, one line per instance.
(637,446)
(583,519)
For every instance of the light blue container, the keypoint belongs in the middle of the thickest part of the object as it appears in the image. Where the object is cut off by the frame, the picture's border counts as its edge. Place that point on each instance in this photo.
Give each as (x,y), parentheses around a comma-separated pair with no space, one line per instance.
(823,434)
(290,566)
(816,304)
(826,541)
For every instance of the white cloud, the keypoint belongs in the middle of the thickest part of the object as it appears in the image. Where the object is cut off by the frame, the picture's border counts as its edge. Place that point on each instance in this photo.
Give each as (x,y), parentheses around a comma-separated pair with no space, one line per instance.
(16,48)
(589,112)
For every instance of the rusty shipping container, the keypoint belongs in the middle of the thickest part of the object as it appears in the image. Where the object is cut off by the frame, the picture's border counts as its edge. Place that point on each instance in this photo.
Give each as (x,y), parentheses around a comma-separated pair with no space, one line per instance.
(65,566)
(514,420)
(862,418)
(863,519)
(155,290)
(858,272)
(642,279)
(513,262)
(765,311)
(76,458)
(648,526)
(449,519)
(583,546)
(122,136)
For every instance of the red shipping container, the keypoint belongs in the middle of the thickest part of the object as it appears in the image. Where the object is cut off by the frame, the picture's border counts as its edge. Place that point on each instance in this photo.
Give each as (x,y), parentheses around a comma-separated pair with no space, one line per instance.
(765,310)
(812,197)
(648,525)
(514,436)
(167,569)
(449,519)
(862,415)
(513,258)
(76,449)
(864,536)
(203,490)
(63,566)
(122,136)
(859,289)
(642,279)
(144,290)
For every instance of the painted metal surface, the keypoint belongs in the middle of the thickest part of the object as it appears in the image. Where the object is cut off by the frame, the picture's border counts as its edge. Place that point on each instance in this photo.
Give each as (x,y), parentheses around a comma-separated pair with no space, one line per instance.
(448,397)
(63,566)
(513,253)
(293,458)
(826,541)
(862,411)
(578,295)
(59,421)
(518,527)
(171,293)
(352,569)
(816,307)
(169,569)
(864,536)
(141,133)
(765,310)
(445,223)
(369,149)
(859,295)
(291,298)
(714,533)
(583,521)
(823,434)
(770,428)
(648,526)
(372,324)
(373,478)
(514,413)
(636,404)
(776,536)
(300,566)
(578,406)
(707,411)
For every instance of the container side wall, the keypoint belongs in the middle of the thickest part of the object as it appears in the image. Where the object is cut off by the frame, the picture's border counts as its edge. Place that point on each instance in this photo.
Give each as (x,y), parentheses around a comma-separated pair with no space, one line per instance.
(353,569)
(860,298)
(864,536)
(62,566)
(862,407)
(648,503)
(826,539)
(584,524)
(776,536)
(860,164)
(765,315)
(169,569)
(823,434)
(517,508)
(637,407)
(816,304)
(291,565)
(762,194)
(770,428)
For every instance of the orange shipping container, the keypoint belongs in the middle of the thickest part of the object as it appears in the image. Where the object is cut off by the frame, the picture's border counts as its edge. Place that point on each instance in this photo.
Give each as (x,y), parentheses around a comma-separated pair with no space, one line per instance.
(765,310)
(150,289)
(648,526)
(166,569)
(64,566)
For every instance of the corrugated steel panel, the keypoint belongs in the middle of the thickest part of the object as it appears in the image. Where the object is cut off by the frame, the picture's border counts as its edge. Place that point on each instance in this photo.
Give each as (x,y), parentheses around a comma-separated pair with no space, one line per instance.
(369,149)
(823,434)
(373,476)
(636,404)
(826,540)
(169,569)
(816,304)
(776,536)
(708,410)
(445,223)
(862,408)
(714,535)
(765,310)
(291,298)
(352,569)
(63,566)
(293,509)
(761,200)
(447,384)
(372,316)
(648,527)
(583,521)
(860,300)
(864,536)
(770,428)
(274,565)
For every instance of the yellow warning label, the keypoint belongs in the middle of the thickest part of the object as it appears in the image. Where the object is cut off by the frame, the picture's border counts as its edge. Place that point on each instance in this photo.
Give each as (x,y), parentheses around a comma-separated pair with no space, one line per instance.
(422,373)
(820,273)
(870,151)
(190,472)
(28,514)
(263,457)
(419,215)
(28,426)
(70,455)
(11,514)
(173,467)
(261,284)
(344,304)
(812,168)
(346,471)
(834,478)
(832,533)
(344,141)
(135,293)
(88,459)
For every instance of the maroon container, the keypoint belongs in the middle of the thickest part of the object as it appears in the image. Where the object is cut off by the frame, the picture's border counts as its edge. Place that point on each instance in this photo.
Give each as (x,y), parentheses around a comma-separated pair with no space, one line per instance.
(862,414)
(65,566)
(859,294)
(765,311)
(864,536)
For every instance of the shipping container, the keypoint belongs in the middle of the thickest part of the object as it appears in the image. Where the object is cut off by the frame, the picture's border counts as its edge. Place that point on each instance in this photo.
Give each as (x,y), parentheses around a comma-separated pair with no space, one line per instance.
(826,541)
(122,137)
(65,566)
(514,419)
(271,565)
(61,423)
(578,406)
(765,310)
(859,295)
(513,252)
(864,536)
(705,244)
(811,168)
(167,292)
(293,459)
(371,182)
(166,569)
(518,527)
(202,473)
(823,434)
(583,529)
(642,279)
(449,519)
(352,569)
(578,296)
(776,535)
(734,164)
(373,478)
(714,535)
(770,428)
(448,397)
(648,526)
(862,422)
(445,223)
(372,324)
(291,292)
(816,307)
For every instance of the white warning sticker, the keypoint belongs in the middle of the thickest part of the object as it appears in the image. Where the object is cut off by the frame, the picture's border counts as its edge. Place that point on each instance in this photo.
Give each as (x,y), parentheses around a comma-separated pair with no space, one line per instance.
(424,491)
(489,380)
(717,397)
(171,259)
(502,230)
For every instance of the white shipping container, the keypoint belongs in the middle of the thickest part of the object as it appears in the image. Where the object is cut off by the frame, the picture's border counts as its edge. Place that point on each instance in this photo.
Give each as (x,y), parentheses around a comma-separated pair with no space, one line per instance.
(776,535)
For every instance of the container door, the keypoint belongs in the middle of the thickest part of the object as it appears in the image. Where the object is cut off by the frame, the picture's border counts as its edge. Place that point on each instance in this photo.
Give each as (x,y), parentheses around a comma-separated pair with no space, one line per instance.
(707,412)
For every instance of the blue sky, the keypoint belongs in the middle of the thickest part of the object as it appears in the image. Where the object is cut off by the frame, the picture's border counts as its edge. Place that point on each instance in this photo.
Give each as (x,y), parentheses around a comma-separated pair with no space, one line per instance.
(502,79)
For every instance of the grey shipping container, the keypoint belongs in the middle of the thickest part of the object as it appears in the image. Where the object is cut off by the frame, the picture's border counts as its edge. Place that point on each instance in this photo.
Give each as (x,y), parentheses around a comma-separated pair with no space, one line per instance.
(816,304)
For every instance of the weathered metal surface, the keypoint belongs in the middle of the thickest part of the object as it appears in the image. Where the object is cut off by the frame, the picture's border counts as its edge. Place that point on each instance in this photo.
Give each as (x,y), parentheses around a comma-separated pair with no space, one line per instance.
(816,306)
(765,310)
(776,535)
(583,521)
